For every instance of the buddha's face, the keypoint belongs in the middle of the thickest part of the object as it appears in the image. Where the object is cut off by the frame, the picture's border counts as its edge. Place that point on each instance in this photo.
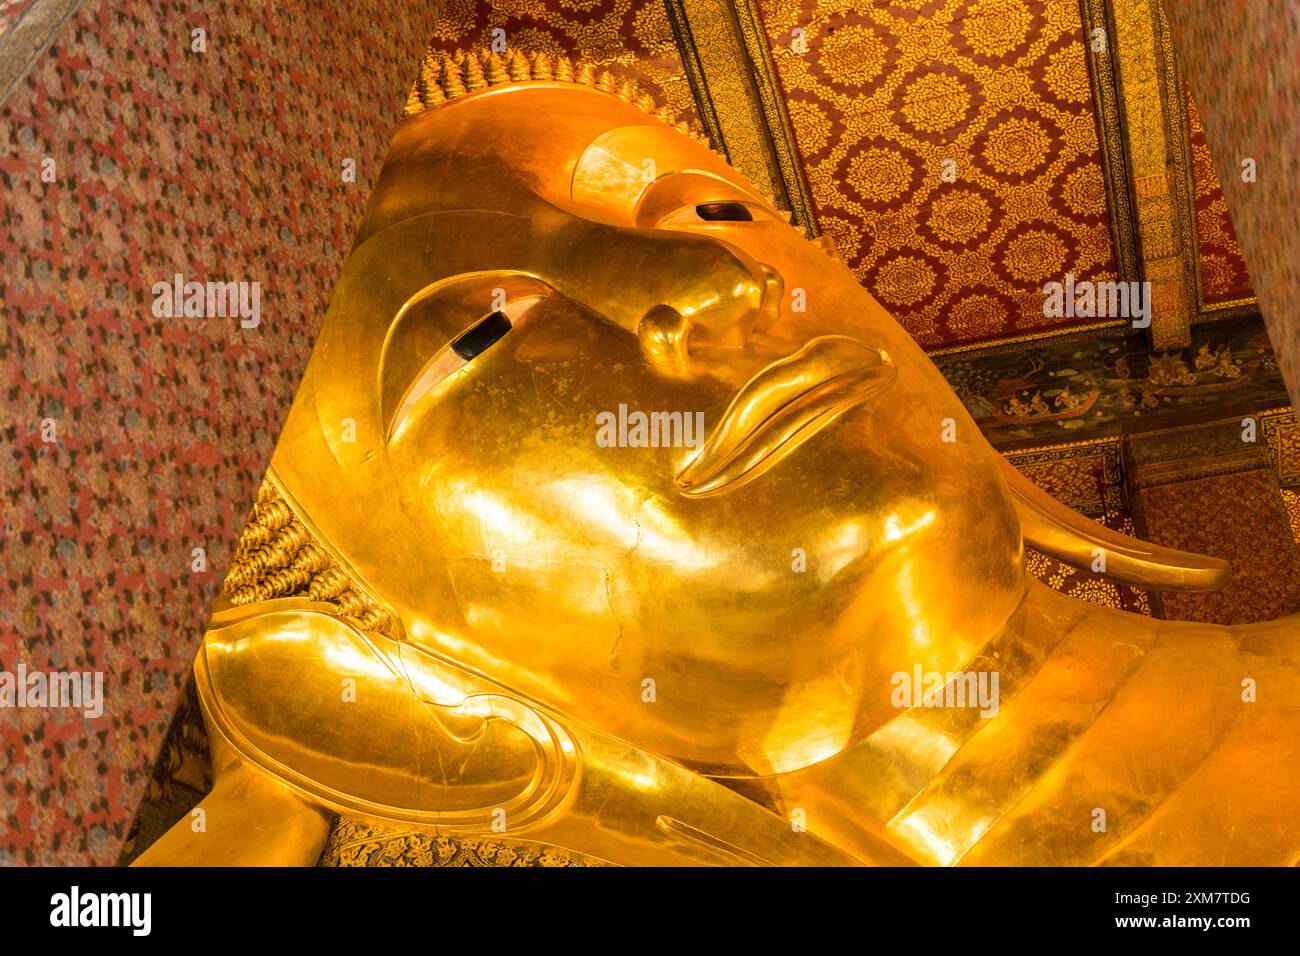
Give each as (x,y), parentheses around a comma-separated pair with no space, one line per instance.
(536,259)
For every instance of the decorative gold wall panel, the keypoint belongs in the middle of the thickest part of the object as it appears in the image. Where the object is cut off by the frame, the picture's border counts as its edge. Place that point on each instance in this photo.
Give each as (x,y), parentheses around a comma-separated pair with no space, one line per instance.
(726,94)
(886,92)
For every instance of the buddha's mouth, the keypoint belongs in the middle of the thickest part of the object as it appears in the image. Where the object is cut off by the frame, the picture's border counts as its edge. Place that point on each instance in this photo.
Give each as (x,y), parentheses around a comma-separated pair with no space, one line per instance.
(783,406)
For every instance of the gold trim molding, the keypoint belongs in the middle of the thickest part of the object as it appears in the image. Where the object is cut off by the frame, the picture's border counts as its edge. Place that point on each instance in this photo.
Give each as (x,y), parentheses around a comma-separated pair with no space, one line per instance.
(1159,168)
(1104,72)
(1145,86)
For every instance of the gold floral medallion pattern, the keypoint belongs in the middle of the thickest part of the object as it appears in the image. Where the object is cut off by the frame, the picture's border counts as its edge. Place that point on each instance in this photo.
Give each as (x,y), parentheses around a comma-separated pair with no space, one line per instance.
(1017,147)
(936,102)
(960,216)
(1035,256)
(994,28)
(951,151)
(881,175)
(905,281)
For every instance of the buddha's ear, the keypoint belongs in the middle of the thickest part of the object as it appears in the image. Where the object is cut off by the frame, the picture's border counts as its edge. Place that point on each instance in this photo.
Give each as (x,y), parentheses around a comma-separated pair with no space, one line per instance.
(1068,536)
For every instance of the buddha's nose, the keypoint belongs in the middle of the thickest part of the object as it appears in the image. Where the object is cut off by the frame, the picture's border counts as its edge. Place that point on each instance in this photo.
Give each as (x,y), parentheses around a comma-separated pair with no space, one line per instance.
(673,291)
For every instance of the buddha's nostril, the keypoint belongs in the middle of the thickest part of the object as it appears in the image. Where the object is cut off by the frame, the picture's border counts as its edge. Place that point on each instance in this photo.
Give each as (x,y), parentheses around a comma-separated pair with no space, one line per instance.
(664,334)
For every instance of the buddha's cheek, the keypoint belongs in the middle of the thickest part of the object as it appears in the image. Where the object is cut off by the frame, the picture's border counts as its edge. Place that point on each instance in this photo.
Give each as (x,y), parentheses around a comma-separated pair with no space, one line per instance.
(546,628)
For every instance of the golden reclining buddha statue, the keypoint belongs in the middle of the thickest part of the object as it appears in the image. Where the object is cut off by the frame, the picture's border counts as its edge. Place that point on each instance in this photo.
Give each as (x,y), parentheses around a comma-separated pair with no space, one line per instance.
(495,589)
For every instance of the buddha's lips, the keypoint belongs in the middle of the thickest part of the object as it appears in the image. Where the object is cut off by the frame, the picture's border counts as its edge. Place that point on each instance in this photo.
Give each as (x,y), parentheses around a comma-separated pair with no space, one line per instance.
(782,407)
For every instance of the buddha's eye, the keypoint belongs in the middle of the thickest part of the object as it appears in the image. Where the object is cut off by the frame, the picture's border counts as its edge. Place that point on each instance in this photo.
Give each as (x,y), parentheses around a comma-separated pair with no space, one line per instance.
(724,212)
(707,212)
(459,352)
(482,336)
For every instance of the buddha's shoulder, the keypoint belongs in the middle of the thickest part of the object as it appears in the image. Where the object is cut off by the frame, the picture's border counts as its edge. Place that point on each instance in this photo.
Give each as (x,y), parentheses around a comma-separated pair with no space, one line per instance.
(442,761)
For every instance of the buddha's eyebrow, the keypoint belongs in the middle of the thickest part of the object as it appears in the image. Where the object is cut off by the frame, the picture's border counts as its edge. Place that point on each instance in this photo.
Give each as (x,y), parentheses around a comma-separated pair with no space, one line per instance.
(697,177)
(686,187)
(618,168)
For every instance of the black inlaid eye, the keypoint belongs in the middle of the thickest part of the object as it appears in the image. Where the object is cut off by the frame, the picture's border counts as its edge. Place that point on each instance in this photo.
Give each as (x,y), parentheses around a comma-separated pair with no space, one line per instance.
(724,212)
(482,336)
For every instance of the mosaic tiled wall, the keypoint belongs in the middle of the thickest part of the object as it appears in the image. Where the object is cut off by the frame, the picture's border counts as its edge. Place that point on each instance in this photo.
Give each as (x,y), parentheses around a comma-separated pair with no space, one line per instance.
(11,11)
(127,155)
(1180,488)
(885,92)
(1239,60)
(1232,517)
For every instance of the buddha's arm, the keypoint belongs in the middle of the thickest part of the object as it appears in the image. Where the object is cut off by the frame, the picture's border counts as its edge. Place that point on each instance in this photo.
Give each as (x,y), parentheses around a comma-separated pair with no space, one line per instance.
(248,819)
(1119,739)
(305,711)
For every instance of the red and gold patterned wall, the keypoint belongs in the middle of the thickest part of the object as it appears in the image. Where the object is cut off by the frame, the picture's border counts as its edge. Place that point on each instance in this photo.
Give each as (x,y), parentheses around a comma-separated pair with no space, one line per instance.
(887,91)
(1222,270)
(224,164)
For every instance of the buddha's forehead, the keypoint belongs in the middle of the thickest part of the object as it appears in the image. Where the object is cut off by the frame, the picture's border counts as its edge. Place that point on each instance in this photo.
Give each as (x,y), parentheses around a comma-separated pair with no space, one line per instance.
(509,149)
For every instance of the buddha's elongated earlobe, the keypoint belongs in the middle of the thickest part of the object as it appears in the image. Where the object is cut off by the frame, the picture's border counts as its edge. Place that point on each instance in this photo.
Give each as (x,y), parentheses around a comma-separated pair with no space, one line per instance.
(1055,529)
